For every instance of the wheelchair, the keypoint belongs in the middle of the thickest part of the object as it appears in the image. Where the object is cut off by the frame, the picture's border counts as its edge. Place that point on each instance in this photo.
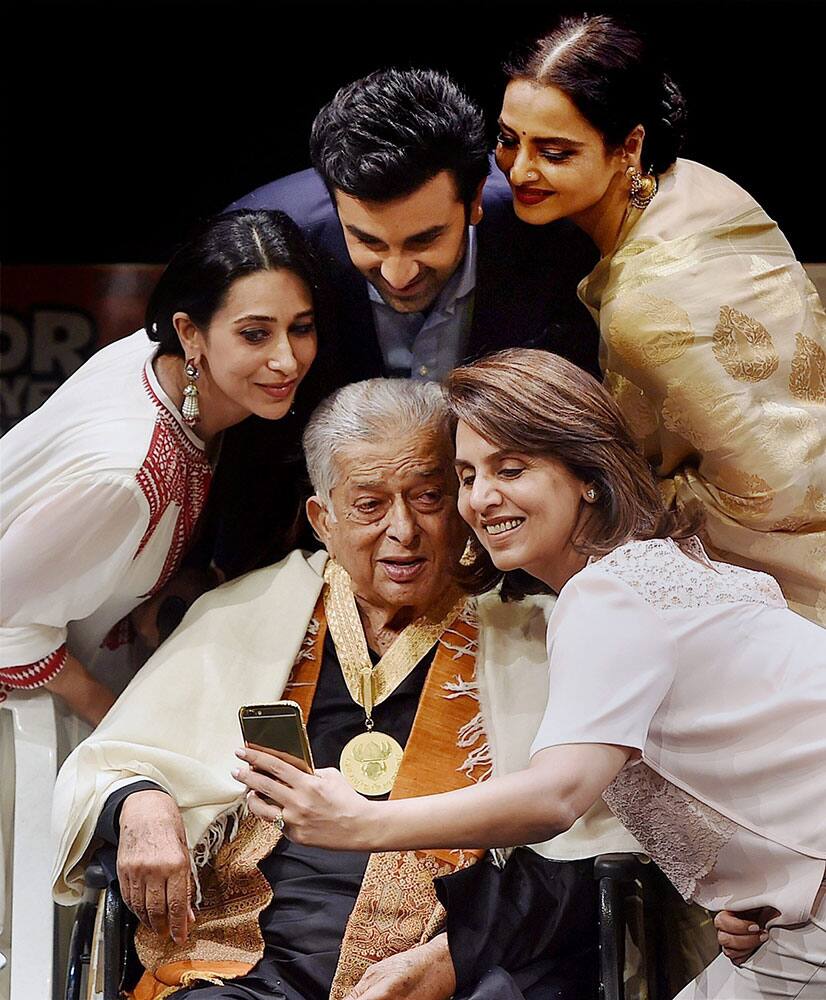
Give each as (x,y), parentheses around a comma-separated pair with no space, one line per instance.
(626,888)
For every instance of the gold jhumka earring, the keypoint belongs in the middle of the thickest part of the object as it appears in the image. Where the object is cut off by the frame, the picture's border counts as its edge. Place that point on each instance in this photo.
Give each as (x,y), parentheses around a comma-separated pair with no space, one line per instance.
(643,187)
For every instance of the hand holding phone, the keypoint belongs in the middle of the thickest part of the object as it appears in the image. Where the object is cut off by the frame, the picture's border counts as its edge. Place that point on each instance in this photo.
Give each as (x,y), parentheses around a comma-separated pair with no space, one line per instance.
(277,729)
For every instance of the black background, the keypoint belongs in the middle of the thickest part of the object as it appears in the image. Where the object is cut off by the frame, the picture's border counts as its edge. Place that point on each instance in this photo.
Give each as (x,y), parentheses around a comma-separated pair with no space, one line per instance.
(126,121)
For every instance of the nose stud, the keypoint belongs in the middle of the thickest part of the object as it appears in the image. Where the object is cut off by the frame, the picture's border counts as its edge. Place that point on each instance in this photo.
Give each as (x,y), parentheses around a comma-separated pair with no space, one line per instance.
(531,175)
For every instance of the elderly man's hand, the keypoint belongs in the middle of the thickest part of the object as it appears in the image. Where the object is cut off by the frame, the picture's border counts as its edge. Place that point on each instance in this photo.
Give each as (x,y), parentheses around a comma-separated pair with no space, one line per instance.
(153,863)
(423,973)
(740,934)
(320,810)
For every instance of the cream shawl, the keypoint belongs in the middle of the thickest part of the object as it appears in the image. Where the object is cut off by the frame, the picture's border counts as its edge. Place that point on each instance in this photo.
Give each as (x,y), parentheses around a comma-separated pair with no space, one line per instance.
(177,722)
(713,343)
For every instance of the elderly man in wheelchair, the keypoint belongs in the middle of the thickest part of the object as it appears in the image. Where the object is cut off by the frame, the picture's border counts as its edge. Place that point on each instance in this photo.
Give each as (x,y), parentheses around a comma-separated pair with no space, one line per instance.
(406,683)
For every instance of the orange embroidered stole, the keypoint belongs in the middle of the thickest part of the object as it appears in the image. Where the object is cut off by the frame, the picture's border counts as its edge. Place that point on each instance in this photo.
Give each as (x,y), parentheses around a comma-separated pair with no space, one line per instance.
(397,906)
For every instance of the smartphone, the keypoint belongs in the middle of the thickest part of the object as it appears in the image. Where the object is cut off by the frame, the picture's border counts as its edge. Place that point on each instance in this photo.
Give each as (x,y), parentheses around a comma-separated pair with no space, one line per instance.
(277,729)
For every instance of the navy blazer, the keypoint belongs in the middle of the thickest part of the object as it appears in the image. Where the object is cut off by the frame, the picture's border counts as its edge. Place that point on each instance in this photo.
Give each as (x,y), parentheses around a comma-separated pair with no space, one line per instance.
(526,278)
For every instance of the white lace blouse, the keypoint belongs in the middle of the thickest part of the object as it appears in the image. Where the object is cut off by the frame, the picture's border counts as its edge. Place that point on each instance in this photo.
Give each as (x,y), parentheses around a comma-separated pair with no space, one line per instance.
(702,668)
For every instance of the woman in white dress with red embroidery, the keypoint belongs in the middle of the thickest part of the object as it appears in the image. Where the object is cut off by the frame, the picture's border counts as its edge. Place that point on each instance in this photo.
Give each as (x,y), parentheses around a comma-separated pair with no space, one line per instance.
(684,691)
(103,485)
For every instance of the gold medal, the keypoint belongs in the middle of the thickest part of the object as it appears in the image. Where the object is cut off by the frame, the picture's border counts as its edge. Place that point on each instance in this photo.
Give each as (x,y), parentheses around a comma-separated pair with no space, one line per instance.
(370,762)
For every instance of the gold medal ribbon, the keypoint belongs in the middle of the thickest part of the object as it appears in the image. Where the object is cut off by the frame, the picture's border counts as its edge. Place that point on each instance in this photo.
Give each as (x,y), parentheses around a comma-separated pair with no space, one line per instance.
(371,760)
(401,658)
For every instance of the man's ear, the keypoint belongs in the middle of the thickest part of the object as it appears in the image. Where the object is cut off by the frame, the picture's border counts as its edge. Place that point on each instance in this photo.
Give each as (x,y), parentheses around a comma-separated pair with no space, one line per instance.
(319,518)
(476,212)
(189,335)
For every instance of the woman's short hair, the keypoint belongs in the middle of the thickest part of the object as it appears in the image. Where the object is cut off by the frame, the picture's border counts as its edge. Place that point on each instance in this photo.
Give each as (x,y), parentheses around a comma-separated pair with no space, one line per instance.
(614,79)
(538,403)
(377,409)
(221,250)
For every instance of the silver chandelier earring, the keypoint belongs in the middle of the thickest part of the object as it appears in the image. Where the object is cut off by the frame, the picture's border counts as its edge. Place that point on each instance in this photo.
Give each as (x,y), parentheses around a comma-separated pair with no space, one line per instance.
(190,410)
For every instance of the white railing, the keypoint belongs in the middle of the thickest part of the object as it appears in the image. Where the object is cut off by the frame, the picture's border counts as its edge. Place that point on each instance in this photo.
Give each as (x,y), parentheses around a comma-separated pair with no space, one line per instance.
(28,764)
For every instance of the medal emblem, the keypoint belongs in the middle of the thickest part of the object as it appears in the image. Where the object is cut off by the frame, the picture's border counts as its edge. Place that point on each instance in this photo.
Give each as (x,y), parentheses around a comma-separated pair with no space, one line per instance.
(370,762)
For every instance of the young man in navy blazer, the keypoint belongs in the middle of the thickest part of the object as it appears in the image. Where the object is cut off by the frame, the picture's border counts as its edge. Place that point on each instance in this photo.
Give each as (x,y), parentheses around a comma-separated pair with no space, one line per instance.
(430,266)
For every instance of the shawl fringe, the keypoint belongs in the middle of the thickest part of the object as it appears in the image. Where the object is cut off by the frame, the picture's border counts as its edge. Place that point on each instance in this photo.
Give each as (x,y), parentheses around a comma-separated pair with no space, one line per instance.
(222,830)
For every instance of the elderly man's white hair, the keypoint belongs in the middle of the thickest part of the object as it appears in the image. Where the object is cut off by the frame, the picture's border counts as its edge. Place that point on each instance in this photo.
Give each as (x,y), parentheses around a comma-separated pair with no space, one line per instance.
(376,410)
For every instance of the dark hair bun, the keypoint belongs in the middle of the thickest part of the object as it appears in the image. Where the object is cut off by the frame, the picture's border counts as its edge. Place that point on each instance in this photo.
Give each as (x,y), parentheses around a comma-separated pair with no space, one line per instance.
(669,131)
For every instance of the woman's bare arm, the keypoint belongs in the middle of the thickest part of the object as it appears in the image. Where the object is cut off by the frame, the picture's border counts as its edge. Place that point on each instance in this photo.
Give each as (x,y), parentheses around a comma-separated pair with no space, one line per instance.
(322,810)
(84,695)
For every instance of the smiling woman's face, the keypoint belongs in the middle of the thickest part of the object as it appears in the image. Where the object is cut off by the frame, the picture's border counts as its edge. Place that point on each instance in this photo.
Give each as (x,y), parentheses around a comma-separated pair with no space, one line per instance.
(526,510)
(555,160)
(393,524)
(258,346)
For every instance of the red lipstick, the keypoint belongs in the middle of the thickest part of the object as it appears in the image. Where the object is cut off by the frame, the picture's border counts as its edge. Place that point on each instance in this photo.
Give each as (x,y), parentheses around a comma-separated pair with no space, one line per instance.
(530,196)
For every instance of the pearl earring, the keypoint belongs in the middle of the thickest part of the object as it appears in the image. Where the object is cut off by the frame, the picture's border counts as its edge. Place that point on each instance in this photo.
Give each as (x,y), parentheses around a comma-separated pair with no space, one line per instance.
(190,410)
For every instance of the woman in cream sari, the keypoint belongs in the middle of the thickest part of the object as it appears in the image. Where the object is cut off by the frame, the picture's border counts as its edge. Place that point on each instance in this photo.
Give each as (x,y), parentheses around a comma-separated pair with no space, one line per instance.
(713,341)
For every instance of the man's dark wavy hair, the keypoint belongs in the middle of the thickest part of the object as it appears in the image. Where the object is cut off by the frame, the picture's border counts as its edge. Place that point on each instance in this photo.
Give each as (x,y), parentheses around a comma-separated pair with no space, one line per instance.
(383,137)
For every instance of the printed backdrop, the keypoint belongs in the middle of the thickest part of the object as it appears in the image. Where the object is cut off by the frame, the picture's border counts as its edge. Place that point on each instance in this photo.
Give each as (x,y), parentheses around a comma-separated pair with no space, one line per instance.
(55,317)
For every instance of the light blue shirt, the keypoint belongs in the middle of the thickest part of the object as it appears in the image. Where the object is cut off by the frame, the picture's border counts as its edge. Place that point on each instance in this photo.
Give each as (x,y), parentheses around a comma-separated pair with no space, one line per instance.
(427,346)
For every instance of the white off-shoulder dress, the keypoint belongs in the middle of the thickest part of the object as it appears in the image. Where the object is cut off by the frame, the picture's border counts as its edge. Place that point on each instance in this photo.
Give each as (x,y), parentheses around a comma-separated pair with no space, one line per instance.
(702,669)
(101,489)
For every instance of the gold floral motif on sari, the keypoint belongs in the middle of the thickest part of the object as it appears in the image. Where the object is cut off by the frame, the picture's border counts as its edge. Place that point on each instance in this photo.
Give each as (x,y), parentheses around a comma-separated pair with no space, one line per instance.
(811,509)
(743,347)
(807,380)
(743,494)
(775,288)
(700,414)
(647,331)
(789,436)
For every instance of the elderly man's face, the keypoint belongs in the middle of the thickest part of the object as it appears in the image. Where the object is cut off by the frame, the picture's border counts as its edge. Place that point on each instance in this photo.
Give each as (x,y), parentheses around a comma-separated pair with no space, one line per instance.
(394,524)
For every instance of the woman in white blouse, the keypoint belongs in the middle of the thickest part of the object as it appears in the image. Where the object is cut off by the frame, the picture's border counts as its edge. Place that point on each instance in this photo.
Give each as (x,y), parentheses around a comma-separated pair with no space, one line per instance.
(104,484)
(682,690)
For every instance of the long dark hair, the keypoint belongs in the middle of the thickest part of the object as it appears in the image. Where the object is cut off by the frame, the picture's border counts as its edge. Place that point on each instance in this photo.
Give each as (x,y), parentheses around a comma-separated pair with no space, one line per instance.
(614,78)
(538,403)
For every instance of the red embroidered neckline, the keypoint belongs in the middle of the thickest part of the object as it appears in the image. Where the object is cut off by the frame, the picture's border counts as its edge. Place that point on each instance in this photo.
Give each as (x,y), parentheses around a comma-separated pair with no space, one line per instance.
(186,440)
(175,471)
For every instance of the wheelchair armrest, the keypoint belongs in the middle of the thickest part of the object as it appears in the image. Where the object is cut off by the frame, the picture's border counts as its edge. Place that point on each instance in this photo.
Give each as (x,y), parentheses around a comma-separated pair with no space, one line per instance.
(616,873)
(622,867)
(95,877)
